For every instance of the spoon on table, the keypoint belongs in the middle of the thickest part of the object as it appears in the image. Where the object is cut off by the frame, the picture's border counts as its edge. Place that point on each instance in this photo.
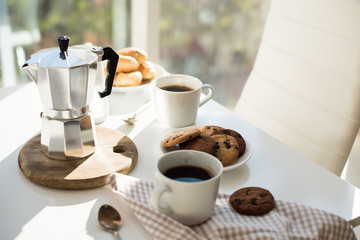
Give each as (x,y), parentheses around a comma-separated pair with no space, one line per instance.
(132,120)
(110,219)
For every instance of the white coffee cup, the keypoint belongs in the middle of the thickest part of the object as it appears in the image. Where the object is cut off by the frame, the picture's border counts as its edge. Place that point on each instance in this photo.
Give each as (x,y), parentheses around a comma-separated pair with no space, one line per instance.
(190,203)
(179,109)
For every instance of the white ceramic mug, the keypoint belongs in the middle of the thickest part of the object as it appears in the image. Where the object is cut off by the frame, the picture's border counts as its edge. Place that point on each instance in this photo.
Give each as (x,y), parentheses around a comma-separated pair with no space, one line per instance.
(179,109)
(190,203)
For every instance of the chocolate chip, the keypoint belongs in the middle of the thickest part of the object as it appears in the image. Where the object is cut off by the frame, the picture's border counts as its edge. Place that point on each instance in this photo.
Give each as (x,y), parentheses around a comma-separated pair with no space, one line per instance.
(227,144)
(227,132)
(237,202)
(253,201)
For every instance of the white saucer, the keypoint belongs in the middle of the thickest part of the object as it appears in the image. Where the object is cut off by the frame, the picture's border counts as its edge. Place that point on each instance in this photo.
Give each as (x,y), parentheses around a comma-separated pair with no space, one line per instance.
(239,162)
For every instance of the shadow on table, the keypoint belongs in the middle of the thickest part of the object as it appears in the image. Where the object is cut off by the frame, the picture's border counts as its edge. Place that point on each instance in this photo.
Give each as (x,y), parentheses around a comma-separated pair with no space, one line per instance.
(30,198)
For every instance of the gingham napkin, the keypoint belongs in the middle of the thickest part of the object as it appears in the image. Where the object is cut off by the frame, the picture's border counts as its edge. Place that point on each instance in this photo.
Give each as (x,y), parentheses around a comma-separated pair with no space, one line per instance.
(285,221)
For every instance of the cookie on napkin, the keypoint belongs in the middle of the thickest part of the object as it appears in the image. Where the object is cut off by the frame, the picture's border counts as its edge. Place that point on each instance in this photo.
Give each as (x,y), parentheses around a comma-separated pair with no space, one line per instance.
(252,201)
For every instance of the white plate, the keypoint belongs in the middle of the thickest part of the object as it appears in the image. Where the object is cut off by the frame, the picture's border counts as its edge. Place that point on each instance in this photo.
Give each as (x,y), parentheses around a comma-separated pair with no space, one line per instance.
(160,71)
(239,162)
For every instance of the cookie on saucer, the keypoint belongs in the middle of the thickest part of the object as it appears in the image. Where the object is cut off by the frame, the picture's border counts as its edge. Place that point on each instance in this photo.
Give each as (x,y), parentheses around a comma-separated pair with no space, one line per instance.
(181,137)
(240,140)
(200,143)
(209,129)
(252,201)
(226,149)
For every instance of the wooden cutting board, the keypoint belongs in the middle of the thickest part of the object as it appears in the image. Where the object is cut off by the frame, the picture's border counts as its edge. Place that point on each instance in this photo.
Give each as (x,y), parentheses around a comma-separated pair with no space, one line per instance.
(114,152)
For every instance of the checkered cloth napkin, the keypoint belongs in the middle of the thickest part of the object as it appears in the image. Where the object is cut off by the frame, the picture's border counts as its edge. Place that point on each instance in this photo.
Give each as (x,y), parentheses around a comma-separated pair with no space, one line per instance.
(285,221)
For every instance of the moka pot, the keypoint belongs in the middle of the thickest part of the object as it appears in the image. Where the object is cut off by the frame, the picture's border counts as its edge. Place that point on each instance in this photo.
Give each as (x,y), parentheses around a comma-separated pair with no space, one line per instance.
(66,81)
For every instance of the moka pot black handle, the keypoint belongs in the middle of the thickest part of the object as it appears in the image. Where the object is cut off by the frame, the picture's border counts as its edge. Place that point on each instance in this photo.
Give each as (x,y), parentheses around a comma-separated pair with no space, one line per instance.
(113,57)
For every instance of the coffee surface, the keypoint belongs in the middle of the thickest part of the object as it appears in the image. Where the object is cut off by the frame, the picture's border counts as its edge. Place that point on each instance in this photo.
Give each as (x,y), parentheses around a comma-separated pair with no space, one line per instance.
(177,88)
(188,174)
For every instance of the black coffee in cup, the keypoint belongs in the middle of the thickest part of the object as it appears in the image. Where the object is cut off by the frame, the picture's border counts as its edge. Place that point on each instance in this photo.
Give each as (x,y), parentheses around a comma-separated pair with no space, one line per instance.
(177,88)
(187,173)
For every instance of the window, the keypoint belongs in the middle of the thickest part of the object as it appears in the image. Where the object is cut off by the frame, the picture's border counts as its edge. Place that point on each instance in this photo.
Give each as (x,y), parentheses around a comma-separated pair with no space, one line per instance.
(215,41)
(101,22)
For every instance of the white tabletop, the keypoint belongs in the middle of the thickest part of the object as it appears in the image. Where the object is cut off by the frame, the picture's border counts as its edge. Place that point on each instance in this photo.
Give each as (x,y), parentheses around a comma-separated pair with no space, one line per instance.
(32,211)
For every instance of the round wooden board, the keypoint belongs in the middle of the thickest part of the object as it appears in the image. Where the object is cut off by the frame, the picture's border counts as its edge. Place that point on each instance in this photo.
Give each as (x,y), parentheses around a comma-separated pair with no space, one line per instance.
(115,152)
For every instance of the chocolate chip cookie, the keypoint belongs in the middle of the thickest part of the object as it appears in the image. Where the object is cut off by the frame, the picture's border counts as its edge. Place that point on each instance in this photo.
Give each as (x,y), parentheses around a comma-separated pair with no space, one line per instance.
(226,149)
(252,201)
(200,143)
(209,129)
(181,137)
(240,140)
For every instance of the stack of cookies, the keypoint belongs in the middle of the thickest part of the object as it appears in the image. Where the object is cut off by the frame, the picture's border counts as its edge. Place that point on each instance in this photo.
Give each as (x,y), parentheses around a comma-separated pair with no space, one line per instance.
(225,144)
(133,68)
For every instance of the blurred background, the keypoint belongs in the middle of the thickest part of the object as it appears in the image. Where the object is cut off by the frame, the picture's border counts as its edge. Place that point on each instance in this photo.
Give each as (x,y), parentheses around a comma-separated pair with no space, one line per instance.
(216,41)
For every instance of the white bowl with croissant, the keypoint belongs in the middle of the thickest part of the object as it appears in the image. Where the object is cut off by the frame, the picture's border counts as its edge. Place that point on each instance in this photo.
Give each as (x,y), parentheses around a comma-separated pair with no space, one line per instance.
(134,70)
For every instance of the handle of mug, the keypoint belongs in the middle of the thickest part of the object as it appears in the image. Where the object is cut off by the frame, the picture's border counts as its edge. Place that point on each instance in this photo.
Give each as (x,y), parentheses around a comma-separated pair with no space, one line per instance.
(208,96)
(155,197)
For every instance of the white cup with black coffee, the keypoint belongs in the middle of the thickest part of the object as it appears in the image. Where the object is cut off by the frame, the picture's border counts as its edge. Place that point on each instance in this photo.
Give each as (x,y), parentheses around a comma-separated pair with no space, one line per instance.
(177,98)
(187,184)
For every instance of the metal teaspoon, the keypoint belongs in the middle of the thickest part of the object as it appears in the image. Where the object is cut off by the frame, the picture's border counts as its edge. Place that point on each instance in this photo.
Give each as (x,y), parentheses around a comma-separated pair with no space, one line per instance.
(110,219)
(132,120)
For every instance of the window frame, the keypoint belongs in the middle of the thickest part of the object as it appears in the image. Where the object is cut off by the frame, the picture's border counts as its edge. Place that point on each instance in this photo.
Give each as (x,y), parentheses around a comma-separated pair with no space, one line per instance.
(145,15)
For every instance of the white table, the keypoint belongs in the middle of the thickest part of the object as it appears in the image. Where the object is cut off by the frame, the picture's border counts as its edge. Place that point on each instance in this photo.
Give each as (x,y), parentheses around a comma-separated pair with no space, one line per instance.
(32,211)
